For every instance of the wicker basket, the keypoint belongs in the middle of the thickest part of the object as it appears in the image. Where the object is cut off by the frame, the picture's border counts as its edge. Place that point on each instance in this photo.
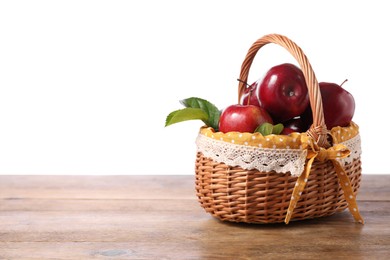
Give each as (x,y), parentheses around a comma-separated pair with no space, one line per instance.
(233,193)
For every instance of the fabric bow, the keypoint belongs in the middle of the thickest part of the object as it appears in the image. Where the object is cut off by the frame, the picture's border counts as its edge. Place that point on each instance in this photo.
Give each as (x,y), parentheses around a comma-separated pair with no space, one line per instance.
(338,151)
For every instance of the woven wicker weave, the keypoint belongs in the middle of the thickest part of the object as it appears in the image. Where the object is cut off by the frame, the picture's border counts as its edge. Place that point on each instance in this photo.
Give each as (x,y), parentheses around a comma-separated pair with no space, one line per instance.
(234,194)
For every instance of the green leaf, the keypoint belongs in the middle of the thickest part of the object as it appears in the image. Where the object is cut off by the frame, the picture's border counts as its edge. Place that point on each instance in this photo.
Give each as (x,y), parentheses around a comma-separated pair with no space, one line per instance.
(210,109)
(265,129)
(277,129)
(186,114)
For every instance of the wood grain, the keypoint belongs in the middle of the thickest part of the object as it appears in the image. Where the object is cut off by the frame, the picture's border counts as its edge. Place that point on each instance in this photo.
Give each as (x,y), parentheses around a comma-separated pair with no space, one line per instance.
(158,217)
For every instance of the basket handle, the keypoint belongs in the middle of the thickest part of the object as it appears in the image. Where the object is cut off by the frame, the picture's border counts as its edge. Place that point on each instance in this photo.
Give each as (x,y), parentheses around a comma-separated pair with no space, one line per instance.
(317,130)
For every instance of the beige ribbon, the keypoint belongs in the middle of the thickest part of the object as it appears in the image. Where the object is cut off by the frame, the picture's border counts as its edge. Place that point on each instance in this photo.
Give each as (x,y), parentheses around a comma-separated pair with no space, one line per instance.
(333,153)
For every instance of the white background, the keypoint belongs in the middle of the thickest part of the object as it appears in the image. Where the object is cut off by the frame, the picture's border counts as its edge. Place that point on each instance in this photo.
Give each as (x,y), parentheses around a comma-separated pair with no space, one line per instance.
(85,86)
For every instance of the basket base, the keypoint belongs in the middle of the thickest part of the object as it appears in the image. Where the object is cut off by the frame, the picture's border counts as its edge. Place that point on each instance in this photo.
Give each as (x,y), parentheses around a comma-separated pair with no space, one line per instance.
(250,196)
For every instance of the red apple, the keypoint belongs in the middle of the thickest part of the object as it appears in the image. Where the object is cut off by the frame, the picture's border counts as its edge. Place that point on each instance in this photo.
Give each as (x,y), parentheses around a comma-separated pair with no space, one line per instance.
(338,104)
(251,95)
(287,131)
(283,92)
(294,125)
(243,118)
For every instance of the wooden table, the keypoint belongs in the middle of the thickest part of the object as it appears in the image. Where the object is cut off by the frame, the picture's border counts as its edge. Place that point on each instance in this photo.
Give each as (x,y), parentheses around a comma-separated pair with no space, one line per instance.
(158,217)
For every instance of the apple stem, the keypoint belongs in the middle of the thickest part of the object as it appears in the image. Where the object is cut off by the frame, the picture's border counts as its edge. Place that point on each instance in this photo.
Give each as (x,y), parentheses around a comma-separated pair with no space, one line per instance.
(250,91)
(343,82)
(239,80)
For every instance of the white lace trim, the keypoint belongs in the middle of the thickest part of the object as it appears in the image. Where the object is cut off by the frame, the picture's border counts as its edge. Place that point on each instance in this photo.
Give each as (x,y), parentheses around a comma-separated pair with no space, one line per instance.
(354,145)
(249,157)
(265,159)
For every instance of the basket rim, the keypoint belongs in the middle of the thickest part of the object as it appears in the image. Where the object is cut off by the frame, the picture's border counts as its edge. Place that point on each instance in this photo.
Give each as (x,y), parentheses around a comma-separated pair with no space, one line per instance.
(278,153)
